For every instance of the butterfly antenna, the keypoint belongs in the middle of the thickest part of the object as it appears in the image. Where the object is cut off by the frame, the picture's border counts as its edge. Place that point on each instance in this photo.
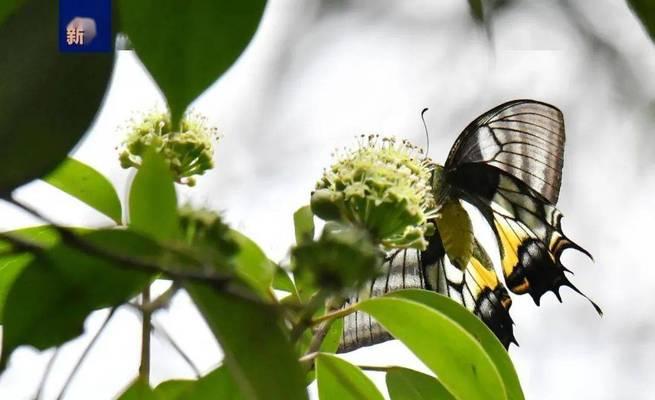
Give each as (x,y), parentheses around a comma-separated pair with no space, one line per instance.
(427,136)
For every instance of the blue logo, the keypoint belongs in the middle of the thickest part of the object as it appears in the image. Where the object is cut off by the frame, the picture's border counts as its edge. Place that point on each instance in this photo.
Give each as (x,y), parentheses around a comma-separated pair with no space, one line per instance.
(85,26)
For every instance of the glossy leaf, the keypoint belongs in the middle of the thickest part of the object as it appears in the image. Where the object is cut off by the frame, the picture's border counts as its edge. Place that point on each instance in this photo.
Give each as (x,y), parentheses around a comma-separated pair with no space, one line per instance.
(258,354)
(218,384)
(338,379)
(47,99)
(455,356)
(252,265)
(12,264)
(153,202)
(186,46)
(303,222)
(87,185)
(406,384)
(52,296)
(475,327)
(645,11)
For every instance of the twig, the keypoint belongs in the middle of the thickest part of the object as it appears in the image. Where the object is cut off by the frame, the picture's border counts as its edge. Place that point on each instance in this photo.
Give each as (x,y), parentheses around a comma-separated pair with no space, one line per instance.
(146,327)
(335,314)
(46,374)
(376,368)
(69,237)
(85,353)
(162,301)
(218,281)
(159,329)
(305,319)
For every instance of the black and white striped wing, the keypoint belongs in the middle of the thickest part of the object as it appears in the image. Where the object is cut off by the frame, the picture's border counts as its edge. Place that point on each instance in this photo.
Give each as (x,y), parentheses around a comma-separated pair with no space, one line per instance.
(476,287)
(524,138)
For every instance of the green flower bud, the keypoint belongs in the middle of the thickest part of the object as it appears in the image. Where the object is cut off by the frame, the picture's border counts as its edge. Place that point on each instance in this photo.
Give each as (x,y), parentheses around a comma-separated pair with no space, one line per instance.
(344,257)
(327,204)
(383,186)
(188,152)
(206,230)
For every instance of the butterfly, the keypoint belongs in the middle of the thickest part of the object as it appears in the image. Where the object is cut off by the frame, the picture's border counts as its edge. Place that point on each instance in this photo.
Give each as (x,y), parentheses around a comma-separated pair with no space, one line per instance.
(508,164)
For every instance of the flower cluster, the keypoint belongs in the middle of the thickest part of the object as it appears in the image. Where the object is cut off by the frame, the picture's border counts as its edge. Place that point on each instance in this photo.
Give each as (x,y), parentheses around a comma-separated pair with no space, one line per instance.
(206,230)
(382,186)
(188,152)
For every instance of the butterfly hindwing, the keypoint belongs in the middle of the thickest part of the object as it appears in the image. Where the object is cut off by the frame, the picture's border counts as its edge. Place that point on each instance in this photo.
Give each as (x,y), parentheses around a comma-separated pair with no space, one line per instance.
(528,229)
(476,286)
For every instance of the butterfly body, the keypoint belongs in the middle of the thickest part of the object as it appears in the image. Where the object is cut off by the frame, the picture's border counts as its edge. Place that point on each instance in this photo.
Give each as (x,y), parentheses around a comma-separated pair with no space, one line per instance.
(508,164)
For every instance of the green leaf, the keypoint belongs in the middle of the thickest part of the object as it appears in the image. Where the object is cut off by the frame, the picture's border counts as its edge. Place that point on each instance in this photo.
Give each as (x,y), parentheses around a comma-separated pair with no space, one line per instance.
(153,202)
(645,11)
(338,379)
(11,265)
(138,390)
(406,384)
(47,99)
(257,352)
(87,185)
(282,281)
(186,46)
(252,265)
(7,7)
(51,297)
(475,327)
(303,222)
(218,384)
(455,356)
(456,232)
(333,337)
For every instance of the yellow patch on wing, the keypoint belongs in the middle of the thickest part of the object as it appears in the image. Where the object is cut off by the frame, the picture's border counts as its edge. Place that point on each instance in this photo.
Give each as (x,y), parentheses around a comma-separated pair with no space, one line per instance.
(483,276)
(510,240)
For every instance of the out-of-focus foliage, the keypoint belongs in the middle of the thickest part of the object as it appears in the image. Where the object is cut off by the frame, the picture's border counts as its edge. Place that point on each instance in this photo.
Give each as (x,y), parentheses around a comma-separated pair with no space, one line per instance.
(47,99)
(343,257)
(257,351)
(12,264)
(406,384)
(338,379)
(88,185)
(50,298)
(218,384)
(153,202)
(186,46)
(645,10)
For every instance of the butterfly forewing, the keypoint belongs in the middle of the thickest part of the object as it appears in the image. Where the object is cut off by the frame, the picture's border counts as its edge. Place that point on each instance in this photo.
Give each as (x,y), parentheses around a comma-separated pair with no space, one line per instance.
(523,138)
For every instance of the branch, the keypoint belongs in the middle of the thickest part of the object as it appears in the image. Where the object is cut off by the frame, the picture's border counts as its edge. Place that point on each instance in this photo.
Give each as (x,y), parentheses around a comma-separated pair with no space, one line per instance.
(305,319)
(159,329)
(376,368)
(335,314)
(146,327)
(218,281)
(46,374)
(85,353)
